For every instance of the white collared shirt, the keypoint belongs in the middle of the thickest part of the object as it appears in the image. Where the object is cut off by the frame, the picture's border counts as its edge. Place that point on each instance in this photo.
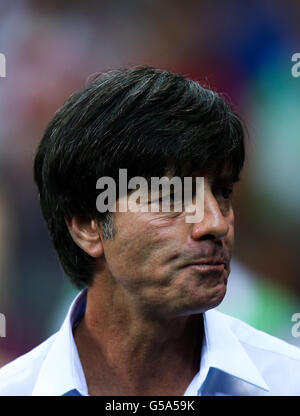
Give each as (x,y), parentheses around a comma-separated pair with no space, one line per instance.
(236,359)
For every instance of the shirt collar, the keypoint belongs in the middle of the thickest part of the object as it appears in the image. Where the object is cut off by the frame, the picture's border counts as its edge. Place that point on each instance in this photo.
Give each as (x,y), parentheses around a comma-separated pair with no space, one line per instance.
(223,350)
(62,371)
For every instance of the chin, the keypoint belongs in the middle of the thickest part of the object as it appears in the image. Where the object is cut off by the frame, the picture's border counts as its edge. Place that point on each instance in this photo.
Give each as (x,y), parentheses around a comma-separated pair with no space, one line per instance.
(209,301)
(218,298)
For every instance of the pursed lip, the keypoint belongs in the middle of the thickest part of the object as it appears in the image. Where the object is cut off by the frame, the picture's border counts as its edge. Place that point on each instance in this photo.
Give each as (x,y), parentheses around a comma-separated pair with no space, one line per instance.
(218,263)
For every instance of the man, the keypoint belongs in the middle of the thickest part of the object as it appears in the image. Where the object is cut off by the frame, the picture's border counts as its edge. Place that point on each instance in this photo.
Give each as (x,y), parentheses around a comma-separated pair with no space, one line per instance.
(144,323)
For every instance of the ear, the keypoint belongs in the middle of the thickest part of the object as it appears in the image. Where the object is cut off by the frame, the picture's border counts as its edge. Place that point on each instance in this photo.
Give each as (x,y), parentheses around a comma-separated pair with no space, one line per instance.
(86,234)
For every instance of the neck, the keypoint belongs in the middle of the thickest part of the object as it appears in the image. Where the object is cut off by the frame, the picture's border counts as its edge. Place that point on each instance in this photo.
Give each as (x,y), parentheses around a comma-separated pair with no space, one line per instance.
(124,351)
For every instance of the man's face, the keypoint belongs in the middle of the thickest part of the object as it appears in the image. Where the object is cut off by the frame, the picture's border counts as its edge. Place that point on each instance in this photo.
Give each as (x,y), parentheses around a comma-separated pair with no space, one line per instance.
(167,267)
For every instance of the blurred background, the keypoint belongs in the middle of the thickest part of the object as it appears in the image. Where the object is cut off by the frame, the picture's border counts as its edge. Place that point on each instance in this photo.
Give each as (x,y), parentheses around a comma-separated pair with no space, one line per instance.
(242,49)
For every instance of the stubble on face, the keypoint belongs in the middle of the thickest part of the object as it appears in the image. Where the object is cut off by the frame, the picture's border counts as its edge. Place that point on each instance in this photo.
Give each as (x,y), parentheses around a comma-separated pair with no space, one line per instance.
(149,260)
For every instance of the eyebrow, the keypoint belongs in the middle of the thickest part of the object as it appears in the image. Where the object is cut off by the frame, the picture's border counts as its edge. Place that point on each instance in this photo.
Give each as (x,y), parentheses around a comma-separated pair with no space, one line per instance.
(224,179)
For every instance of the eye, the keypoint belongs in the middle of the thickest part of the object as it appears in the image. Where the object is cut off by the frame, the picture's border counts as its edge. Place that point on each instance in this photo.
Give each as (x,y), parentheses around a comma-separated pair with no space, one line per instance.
(225,192)
(172,197)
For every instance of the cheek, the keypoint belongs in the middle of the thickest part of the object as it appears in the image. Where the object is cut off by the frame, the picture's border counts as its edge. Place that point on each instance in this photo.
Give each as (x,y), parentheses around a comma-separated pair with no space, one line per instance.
(231,228)
(144,247)
(132,253)
(230,236)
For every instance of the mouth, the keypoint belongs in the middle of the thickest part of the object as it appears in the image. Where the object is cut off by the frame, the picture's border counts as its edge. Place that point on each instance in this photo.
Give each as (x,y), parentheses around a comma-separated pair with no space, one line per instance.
(209,266)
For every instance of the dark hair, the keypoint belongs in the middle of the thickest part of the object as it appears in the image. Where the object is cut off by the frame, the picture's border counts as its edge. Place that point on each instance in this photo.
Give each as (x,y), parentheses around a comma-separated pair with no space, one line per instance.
(143,119)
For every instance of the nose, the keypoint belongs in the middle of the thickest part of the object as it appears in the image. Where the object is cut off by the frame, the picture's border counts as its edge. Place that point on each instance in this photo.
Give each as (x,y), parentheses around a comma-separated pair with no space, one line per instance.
(214,223)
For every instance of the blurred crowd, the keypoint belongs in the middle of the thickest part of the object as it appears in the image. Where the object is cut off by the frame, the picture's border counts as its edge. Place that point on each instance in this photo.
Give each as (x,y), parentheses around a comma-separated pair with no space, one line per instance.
(242,49)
